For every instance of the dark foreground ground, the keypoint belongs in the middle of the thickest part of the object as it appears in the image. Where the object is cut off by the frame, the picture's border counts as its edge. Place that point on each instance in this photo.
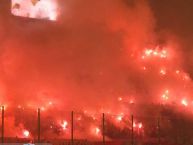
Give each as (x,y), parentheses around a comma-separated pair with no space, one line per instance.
(86,142)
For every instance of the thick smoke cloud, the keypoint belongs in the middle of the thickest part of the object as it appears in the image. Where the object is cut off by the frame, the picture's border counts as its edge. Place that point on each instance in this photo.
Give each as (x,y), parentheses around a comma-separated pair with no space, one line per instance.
(80,57)
(174,17)
(86,60)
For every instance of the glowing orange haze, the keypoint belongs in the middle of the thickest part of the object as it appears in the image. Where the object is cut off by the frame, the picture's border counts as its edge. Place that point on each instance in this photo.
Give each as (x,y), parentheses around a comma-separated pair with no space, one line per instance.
(98,56)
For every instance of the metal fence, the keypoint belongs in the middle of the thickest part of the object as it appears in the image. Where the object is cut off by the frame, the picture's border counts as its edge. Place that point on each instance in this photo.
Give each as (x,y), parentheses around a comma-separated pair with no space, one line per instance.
(102,128)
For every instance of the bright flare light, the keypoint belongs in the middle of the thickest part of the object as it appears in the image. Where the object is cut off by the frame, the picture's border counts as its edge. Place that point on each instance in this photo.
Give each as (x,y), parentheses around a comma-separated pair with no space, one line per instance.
(131,101)
(64,125)
(119,118)
(186,77)
(165,96)
(120,99)
(140,125)
(177,71)
(144,68)
(97,131)
(39,9)
(43,108)
(50,103)
(134,125)
(184,102)
(163,71)
(26,133)
(157,52)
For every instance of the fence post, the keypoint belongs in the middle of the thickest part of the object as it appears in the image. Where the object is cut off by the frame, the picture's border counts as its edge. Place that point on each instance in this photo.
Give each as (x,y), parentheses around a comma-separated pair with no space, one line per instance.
(2,123)
(132,130)
(39,125)
(103,120)
(72,128)
(158,125)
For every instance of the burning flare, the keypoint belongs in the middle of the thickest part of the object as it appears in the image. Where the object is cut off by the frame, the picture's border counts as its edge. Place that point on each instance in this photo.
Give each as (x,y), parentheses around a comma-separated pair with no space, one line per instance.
(39,9)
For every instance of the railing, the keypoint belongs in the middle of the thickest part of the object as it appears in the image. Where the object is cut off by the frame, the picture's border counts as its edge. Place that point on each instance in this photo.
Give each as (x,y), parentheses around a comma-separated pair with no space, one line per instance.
(83,128)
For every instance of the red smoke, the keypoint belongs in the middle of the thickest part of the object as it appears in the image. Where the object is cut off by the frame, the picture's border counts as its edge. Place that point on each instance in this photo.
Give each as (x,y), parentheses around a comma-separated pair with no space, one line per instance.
(94,54)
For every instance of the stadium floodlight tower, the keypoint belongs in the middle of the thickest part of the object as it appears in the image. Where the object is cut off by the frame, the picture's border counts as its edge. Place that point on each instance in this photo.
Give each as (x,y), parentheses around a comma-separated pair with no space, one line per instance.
(36,9)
